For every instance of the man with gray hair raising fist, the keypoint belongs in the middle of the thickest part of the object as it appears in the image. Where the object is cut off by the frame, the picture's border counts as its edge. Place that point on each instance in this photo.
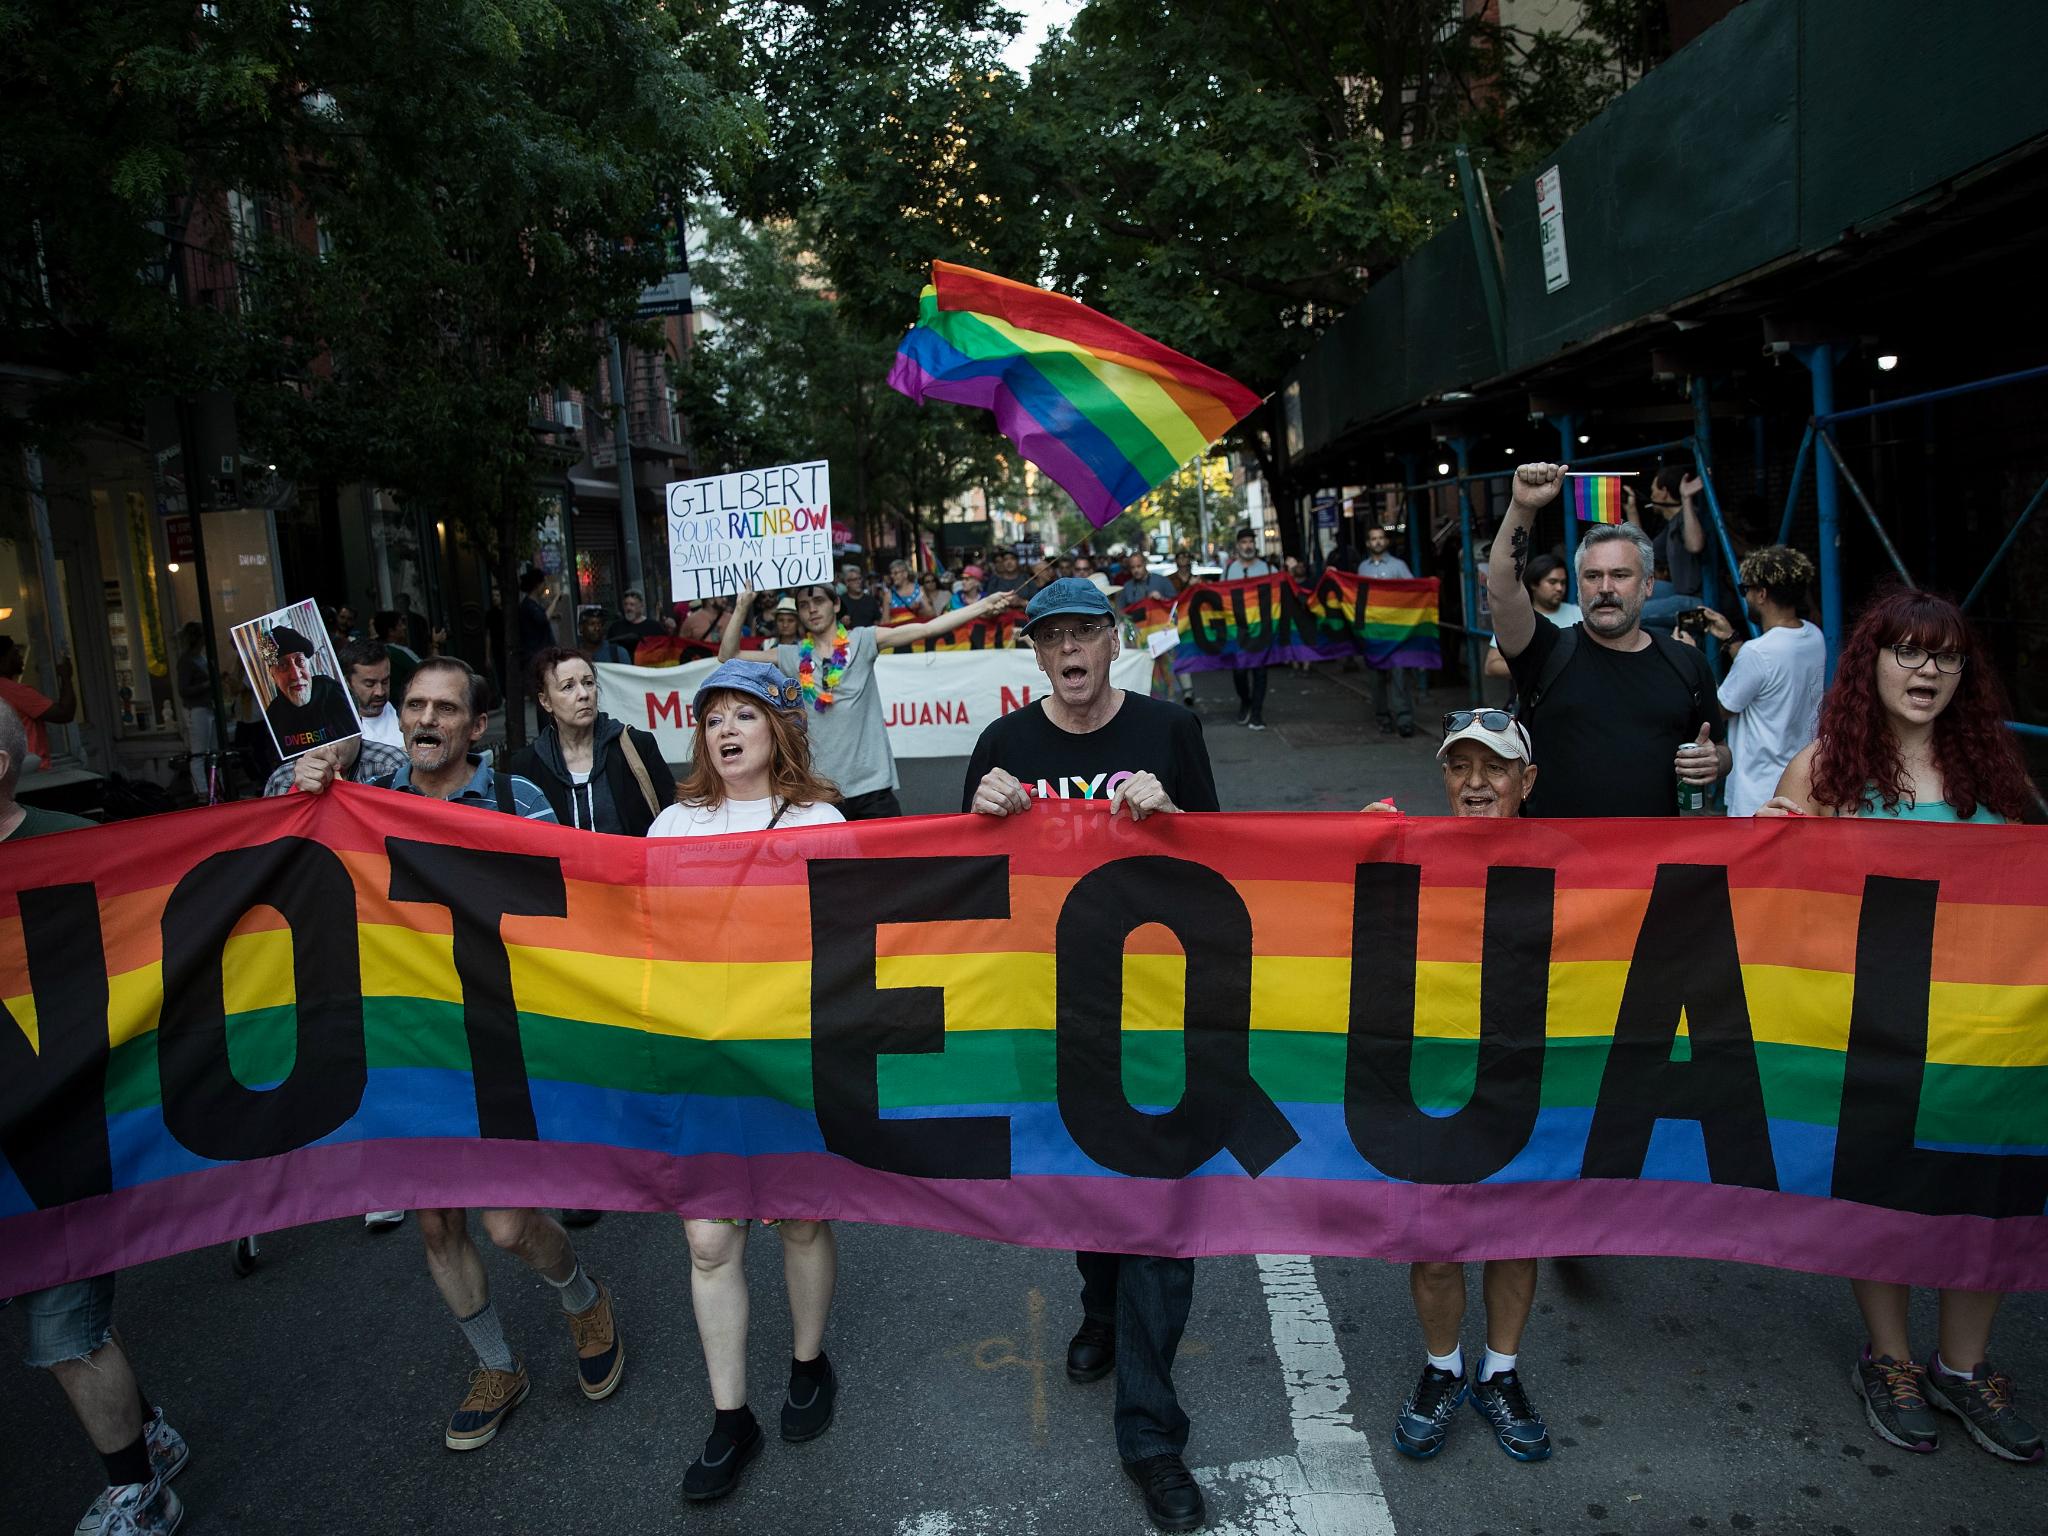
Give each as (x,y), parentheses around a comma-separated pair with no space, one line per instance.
(1621,716)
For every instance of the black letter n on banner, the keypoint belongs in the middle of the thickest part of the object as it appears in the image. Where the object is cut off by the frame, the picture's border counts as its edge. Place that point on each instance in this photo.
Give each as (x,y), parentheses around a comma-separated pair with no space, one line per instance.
(1380,1112)
(1685,959)
(1221,1106)
(53,1099)
(480,889)
(205,1106)
(1876,1160)
(854,1022)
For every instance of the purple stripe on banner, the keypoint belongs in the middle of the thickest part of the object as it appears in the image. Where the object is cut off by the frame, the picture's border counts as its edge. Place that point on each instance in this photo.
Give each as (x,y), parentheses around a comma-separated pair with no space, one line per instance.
(1361,1218)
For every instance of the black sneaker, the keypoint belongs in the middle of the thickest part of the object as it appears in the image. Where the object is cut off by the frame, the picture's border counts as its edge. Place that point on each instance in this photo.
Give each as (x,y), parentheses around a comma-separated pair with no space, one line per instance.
(1244,714)
(1983,1400)
(807,1410)
(1425,1419)
(1502,1402)
(1091,1355)
(717,1472)
(1173,1499)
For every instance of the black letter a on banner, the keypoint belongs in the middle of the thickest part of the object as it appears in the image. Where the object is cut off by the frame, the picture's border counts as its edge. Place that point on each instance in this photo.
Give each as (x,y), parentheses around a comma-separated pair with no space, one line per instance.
(1876,1161)
(1221,1106)
(1685,959)
(1388,1129)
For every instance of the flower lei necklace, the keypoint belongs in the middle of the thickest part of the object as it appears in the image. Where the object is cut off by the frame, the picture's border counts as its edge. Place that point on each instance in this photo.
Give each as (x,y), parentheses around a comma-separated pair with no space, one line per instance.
(820,698)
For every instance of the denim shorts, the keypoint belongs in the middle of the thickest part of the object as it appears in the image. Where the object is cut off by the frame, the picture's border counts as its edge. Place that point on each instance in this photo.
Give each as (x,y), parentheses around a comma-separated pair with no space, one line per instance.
(68,1321)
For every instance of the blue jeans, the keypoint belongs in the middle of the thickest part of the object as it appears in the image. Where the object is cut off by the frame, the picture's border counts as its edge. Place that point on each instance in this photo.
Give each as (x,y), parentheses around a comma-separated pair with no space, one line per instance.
(1661,612)
(68,1321)
(1146,1299)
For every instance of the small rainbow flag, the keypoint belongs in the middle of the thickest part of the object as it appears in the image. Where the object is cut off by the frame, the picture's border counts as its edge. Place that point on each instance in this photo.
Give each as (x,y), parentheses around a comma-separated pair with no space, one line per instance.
(1106,412)
(1596,498)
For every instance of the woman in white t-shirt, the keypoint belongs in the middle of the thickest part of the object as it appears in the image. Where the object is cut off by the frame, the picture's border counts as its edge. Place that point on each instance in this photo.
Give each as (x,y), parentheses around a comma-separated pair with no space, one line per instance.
(751,772)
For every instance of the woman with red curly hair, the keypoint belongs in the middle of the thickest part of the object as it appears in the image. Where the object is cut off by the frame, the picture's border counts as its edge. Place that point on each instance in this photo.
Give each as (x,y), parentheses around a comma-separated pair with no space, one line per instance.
(1914,728)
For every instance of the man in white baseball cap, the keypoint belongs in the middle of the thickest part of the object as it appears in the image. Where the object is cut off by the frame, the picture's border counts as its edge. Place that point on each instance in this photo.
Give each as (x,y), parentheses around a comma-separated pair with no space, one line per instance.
(1489,768)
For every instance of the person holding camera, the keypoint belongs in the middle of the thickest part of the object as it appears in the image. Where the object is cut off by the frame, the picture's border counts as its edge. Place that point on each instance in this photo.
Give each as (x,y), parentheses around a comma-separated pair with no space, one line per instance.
(1772,692)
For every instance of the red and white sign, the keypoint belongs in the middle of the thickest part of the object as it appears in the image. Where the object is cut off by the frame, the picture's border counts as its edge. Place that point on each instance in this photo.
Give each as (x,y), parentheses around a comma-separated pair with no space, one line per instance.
(934,705)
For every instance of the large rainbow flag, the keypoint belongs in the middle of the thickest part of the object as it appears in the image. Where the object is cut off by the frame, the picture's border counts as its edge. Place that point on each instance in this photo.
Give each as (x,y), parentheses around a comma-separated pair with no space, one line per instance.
(1107,412)
(1267,621)
(1814,1044)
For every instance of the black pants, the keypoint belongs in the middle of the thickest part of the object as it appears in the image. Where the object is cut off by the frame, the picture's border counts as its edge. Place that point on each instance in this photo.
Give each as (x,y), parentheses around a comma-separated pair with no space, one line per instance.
(1250,683)
(872,806)
(1147,1301)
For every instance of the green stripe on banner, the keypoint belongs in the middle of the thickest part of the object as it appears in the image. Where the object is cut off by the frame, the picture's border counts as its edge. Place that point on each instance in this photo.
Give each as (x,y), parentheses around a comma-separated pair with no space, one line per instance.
(1017,1066)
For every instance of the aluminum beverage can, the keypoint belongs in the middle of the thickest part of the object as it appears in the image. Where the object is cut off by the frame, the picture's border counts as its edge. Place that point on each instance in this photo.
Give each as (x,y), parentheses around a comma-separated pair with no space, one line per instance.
(1692,798)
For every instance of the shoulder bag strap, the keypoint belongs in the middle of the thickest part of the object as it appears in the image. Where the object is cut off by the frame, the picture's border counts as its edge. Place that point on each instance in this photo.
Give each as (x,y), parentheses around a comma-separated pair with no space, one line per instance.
(639,771)
(1553,668)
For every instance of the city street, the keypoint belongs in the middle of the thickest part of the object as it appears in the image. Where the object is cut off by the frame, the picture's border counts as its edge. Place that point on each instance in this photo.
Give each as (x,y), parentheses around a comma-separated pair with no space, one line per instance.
(1680,1396)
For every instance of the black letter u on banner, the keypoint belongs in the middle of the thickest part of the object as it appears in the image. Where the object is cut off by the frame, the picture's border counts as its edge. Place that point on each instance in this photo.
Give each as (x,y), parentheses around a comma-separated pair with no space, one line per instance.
(1221,1106)
(205,1106)
(1380,1112)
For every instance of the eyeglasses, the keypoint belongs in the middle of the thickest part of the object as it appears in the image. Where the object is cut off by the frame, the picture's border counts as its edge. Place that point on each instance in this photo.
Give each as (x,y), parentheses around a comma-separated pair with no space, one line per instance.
(1053,636)
(1914,657)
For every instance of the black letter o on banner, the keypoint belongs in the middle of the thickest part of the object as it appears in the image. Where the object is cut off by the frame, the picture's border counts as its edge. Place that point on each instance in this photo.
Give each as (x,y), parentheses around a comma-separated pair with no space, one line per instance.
(1221,1107)
(205,1107)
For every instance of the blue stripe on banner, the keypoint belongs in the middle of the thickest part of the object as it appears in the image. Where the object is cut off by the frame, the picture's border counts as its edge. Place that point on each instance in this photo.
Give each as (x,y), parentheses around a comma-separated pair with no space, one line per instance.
(402,1103)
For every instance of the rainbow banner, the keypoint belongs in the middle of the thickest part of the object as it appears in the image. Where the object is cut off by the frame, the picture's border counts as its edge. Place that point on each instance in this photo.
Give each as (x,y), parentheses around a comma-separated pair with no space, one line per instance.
(1596,498)
(1810,1044)
(1267,621)
(1108,413)
(994,633)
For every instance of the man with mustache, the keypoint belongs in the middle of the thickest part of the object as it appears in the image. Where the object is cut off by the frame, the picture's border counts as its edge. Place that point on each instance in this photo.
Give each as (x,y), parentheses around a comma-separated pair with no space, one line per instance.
(446,711)
(309,708)
(1621,713)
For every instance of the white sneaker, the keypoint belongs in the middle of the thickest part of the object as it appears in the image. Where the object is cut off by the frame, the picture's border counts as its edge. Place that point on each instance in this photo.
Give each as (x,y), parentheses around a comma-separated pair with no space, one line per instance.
(143,1509)
(383,1221)
(168,1454)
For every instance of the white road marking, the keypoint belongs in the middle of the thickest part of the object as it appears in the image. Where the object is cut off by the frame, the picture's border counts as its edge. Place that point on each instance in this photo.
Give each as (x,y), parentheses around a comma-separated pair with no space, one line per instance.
(1329,1486)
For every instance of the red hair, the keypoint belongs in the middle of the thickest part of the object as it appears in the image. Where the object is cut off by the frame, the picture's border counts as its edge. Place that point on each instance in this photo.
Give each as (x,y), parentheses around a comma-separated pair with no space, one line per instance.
(1974,751)
(791,778)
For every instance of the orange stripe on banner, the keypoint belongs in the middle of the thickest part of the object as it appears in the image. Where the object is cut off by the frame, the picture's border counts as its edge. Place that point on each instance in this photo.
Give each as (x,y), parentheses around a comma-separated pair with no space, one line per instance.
(1982,944)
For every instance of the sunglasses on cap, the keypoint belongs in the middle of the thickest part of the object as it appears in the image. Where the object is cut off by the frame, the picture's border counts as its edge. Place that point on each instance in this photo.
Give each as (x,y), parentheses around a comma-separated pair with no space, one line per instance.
(1490,719)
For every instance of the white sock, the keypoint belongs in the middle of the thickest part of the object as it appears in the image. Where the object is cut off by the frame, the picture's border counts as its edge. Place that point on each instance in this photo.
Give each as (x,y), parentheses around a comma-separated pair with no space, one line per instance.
(1495,1363)
(1946,1369)
(1454,1362)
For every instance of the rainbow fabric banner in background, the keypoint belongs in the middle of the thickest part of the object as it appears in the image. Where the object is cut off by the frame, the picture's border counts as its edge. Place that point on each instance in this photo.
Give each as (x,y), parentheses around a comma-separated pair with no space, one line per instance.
(1596,498)
(1108,413)
(1267,621)
(1812,1044)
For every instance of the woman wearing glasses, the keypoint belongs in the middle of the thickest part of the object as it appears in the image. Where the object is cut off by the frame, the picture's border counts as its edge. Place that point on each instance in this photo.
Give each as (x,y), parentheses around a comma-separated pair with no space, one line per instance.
(1914,728)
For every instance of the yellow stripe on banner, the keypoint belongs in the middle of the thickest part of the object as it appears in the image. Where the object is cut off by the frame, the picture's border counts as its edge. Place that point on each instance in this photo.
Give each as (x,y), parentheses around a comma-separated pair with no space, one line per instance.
(1972,1025)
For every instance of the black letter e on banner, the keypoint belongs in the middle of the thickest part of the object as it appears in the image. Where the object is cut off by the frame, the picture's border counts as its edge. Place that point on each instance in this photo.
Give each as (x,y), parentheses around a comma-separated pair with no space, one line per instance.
(479,889)
(1221,1107)
(854,1023)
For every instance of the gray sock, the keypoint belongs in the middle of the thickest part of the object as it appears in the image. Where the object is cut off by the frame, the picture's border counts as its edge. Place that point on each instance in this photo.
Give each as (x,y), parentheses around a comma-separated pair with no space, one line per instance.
(578,1292)
(487,1337)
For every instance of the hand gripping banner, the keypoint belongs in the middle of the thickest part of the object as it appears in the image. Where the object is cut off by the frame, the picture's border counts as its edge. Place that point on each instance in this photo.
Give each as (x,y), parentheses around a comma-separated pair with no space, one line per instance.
(1808,1044)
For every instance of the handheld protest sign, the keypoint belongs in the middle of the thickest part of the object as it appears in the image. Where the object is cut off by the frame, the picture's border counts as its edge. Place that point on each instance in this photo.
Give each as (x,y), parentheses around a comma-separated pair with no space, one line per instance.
(759,528)
(289,660)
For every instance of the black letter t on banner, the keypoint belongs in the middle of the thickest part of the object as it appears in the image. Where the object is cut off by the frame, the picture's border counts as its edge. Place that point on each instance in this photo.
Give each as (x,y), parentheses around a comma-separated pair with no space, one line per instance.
(479,889)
